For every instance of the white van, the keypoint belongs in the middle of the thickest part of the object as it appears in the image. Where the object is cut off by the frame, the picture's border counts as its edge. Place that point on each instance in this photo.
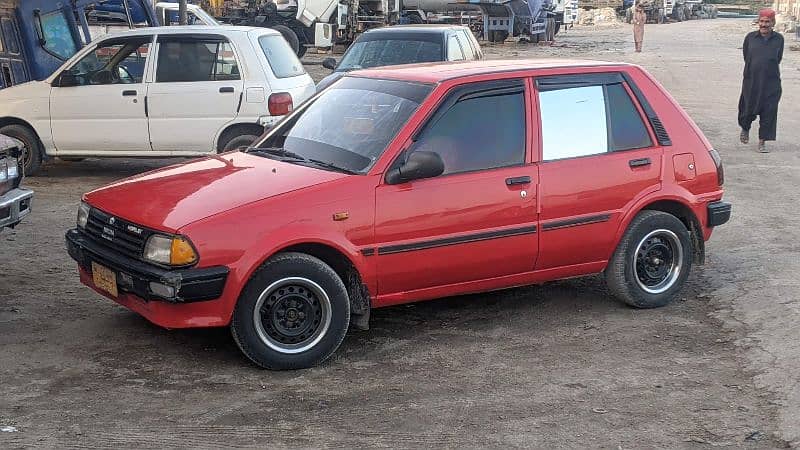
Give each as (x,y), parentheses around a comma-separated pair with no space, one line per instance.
(156,92)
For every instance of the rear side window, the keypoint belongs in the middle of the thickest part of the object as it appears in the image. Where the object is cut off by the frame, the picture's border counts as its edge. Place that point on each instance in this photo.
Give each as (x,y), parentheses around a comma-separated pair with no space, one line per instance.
(196,60)
(590,120)
(454,52)
(466,44)
(281,58)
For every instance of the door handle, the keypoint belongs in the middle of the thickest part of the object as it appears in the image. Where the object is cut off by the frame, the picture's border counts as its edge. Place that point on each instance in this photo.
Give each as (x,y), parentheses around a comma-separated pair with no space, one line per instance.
(226,89)
(129,93)
(639,162)
(518,180)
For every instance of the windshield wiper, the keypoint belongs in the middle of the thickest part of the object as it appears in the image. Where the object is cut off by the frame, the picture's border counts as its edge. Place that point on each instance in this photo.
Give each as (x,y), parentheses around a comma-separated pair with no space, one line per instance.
(277,151)
(328,165)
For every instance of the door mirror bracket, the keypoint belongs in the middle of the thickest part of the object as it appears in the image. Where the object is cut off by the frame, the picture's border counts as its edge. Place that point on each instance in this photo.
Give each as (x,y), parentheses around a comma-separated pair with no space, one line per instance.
(419,165)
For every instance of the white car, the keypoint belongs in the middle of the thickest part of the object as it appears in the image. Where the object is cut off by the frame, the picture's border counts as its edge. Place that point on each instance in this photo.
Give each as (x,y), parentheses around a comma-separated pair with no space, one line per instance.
(157,92)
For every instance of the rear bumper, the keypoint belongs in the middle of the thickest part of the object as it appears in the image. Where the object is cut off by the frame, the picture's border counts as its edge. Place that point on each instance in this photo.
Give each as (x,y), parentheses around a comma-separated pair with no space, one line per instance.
(135,277)
(719,213)
(14,206)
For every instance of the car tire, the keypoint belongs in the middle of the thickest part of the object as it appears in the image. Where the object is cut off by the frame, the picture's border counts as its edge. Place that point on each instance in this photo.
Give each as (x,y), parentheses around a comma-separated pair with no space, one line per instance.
(242,140)
(290,37)
(651,262)
(292,314)
(32,152)
(242,135)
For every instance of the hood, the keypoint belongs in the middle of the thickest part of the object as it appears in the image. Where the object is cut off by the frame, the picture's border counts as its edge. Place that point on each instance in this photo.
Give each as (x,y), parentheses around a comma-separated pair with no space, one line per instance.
(329,80)
(173,197)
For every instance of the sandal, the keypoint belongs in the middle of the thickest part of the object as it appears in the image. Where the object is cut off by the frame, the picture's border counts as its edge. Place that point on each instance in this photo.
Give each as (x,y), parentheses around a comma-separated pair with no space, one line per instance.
(744,136)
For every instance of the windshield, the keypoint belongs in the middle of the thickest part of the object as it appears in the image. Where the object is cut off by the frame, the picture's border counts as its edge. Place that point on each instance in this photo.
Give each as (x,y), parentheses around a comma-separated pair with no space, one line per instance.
(377,53)
(348,126)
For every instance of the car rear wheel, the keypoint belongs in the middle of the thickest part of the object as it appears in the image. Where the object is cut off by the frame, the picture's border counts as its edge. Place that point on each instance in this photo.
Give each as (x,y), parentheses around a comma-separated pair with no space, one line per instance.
(31,150)
(292,314)
(652,261)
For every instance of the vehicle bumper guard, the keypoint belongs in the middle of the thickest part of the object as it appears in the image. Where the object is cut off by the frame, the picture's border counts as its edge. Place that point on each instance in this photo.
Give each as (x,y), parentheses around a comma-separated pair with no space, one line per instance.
(134,276)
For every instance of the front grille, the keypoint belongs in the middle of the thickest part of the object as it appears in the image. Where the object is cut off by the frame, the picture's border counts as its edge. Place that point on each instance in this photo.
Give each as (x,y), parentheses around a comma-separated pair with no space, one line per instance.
(117,234)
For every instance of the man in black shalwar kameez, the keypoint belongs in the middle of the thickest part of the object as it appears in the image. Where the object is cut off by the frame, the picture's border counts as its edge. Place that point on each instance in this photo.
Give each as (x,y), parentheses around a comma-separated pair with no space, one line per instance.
(761,88)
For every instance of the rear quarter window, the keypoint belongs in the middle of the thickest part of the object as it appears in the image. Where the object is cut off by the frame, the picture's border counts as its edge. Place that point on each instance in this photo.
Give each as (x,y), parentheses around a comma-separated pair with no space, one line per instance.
(281,58)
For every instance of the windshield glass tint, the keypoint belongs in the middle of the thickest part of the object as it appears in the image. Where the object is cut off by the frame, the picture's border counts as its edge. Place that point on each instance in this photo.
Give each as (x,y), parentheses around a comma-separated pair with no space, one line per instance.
(280,56)
(366,54)
(350,124)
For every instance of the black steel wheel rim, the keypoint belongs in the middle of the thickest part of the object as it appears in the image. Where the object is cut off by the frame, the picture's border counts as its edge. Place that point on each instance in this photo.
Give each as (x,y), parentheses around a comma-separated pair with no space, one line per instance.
(657,261)
(292,315)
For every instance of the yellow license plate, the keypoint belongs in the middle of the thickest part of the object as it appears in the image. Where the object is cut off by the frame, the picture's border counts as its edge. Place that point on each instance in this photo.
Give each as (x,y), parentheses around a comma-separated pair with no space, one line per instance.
(104,278)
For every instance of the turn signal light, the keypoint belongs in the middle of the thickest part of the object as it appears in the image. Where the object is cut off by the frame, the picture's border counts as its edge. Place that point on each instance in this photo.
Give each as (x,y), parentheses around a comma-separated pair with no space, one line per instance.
(280,104)
(182,252)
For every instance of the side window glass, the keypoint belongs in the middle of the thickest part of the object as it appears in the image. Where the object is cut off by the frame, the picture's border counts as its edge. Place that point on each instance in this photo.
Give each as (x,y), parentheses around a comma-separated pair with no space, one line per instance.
(226,69)
(454,52)
(627,131)
(466,45)
(590,120)
(55,35)
(573,122)
(9,36)
(112,63)
(466,143)
(192,61)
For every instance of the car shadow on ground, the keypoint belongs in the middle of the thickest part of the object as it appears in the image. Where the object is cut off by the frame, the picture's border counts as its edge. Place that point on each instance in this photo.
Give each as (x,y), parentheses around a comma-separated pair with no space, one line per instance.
(513,312)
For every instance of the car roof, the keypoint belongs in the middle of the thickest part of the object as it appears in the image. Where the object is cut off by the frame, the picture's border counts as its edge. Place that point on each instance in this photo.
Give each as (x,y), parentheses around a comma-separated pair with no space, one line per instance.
(191,29)
(416,28)
(437,72)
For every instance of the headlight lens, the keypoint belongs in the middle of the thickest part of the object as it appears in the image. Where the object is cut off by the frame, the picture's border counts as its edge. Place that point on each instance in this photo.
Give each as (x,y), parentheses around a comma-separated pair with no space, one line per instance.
(170,250)
(83,215)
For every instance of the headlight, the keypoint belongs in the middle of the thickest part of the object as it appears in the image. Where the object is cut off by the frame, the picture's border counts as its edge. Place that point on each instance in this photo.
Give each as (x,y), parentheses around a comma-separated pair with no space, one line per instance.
(83,215)
(170,250)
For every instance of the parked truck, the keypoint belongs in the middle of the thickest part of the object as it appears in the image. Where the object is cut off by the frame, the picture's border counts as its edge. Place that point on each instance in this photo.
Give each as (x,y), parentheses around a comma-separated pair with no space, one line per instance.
(324,23)
(660,11)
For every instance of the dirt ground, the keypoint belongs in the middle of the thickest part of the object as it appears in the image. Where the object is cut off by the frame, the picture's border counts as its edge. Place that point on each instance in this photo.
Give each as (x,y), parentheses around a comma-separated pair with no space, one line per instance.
(558,365)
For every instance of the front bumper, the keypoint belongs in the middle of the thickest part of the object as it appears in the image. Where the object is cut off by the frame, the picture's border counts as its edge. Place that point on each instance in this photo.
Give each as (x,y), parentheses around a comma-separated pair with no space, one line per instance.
(135,277)
(14,206)
(719,213)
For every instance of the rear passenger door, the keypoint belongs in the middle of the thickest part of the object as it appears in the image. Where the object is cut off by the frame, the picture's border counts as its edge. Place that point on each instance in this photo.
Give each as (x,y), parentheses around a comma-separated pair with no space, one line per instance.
(598,156)
(195,92)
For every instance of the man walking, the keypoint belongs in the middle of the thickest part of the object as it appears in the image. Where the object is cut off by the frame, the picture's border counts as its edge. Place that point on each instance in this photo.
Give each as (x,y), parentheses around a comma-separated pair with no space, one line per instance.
(761,88)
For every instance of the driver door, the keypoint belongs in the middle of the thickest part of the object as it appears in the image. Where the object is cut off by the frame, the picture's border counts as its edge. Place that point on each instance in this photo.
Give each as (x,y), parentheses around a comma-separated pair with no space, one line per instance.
(97,105)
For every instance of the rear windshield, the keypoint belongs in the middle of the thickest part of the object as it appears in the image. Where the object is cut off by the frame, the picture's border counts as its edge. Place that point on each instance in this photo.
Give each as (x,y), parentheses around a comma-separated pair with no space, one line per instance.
(280,56)
(377,53)
(349,124)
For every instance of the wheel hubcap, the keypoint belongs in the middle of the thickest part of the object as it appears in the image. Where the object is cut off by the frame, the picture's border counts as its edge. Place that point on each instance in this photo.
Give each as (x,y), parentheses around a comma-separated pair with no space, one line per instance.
(658,260)
(292,315)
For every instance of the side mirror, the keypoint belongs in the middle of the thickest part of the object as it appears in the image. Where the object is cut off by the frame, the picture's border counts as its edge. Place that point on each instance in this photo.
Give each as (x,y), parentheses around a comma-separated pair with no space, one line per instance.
(419,165)
(329,63)
(66,79)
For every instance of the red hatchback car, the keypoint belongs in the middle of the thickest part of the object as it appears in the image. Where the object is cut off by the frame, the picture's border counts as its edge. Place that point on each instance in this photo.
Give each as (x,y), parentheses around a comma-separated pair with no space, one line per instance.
(403,184)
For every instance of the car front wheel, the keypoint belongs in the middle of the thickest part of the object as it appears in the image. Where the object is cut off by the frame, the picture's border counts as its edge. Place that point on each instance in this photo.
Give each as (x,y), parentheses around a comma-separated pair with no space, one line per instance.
(292,314)
(652,261)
